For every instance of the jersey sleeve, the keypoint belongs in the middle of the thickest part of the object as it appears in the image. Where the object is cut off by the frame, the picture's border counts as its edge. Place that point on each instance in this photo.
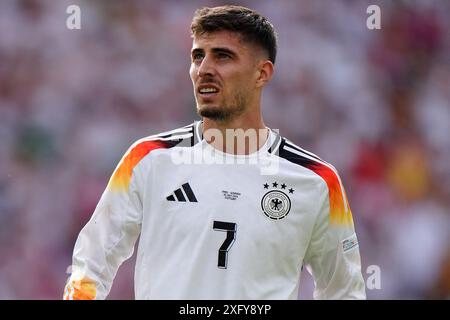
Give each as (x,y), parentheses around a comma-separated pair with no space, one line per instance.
(109,237)
(333,257)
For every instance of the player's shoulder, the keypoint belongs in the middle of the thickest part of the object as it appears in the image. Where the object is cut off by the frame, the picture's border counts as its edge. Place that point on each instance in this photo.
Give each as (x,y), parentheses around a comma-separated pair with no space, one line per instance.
(289,149)
(297,155)
(340,212)
(185,136)
(145,147)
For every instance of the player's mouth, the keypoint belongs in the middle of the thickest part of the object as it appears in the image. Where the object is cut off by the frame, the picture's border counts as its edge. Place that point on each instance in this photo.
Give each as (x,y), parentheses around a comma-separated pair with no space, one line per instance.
(207,91)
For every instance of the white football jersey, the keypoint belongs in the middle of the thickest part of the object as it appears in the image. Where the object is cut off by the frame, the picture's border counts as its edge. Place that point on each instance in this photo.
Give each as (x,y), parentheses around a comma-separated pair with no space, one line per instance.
(214,225)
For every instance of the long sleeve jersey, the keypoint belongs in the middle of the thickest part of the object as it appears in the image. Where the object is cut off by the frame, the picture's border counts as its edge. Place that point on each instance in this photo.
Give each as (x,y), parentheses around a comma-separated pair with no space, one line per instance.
(214,225)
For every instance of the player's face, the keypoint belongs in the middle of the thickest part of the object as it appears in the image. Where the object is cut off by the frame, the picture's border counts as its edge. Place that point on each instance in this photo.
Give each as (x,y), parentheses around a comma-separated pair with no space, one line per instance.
(224,73)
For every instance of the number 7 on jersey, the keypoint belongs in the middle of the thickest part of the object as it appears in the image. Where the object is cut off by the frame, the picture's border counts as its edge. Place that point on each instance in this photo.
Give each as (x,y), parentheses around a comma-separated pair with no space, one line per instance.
(231,229)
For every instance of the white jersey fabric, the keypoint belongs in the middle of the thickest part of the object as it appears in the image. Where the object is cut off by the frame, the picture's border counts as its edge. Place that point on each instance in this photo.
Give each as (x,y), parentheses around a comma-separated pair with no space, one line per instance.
(219,226)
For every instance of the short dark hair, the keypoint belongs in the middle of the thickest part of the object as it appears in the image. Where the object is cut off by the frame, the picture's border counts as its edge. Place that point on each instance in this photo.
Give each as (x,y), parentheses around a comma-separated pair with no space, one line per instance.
(252,26)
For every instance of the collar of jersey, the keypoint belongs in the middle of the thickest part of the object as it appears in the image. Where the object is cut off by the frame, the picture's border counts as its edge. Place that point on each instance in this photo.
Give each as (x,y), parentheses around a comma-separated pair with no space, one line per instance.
(261,151)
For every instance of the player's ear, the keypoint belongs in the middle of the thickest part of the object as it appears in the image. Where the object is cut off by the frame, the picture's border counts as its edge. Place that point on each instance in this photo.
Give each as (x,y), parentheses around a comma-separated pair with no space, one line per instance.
(265,73)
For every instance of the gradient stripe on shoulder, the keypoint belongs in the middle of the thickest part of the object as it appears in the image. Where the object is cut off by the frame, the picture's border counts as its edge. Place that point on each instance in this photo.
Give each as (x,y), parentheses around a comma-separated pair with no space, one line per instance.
(121,177)
(340,212)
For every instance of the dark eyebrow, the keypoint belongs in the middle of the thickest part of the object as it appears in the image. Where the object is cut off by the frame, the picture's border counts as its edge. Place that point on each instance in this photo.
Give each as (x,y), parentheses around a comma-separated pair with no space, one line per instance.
(215,50)
(224,50)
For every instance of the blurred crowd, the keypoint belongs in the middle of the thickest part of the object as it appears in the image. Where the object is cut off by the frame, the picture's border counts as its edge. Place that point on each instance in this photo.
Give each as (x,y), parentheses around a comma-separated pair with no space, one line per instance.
(374,103)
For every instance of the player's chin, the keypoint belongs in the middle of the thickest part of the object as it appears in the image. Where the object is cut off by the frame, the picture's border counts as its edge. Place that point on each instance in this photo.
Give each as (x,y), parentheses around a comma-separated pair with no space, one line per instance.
(213,112)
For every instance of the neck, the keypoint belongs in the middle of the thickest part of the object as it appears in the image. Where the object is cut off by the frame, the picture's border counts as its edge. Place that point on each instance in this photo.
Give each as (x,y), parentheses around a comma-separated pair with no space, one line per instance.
(243,135)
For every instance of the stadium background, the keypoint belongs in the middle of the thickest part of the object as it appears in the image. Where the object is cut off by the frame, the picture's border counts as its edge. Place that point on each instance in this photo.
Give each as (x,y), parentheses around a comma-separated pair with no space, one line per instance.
(375,103)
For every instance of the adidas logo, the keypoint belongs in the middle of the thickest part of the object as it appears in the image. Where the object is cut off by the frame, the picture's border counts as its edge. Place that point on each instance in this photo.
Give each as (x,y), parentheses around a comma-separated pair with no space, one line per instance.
(183,193)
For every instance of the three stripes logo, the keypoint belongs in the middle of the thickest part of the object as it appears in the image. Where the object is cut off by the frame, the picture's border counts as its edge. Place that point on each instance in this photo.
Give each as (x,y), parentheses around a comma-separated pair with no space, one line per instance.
(183,194)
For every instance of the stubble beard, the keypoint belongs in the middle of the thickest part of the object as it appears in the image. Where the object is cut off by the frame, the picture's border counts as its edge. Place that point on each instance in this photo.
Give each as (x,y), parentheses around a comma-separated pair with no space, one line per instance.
(224,112)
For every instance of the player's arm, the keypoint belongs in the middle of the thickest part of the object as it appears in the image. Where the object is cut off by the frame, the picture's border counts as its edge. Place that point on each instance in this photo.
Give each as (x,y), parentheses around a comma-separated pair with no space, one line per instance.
(333,256)
(109,237)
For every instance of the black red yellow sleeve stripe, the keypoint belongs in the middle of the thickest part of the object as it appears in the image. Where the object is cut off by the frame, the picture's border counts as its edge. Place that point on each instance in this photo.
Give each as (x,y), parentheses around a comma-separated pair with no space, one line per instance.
(120,180)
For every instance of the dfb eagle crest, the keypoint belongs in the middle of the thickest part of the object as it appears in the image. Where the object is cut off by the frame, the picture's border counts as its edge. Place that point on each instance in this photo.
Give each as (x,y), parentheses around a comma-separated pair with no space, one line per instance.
(276,203)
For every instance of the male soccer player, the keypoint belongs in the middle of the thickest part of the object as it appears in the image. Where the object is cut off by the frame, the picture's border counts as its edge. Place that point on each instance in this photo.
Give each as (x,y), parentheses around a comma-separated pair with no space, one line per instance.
(219,220)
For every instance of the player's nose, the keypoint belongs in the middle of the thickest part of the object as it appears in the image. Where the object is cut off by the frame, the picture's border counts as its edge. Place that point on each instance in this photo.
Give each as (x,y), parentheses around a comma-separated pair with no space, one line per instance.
(206,68)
